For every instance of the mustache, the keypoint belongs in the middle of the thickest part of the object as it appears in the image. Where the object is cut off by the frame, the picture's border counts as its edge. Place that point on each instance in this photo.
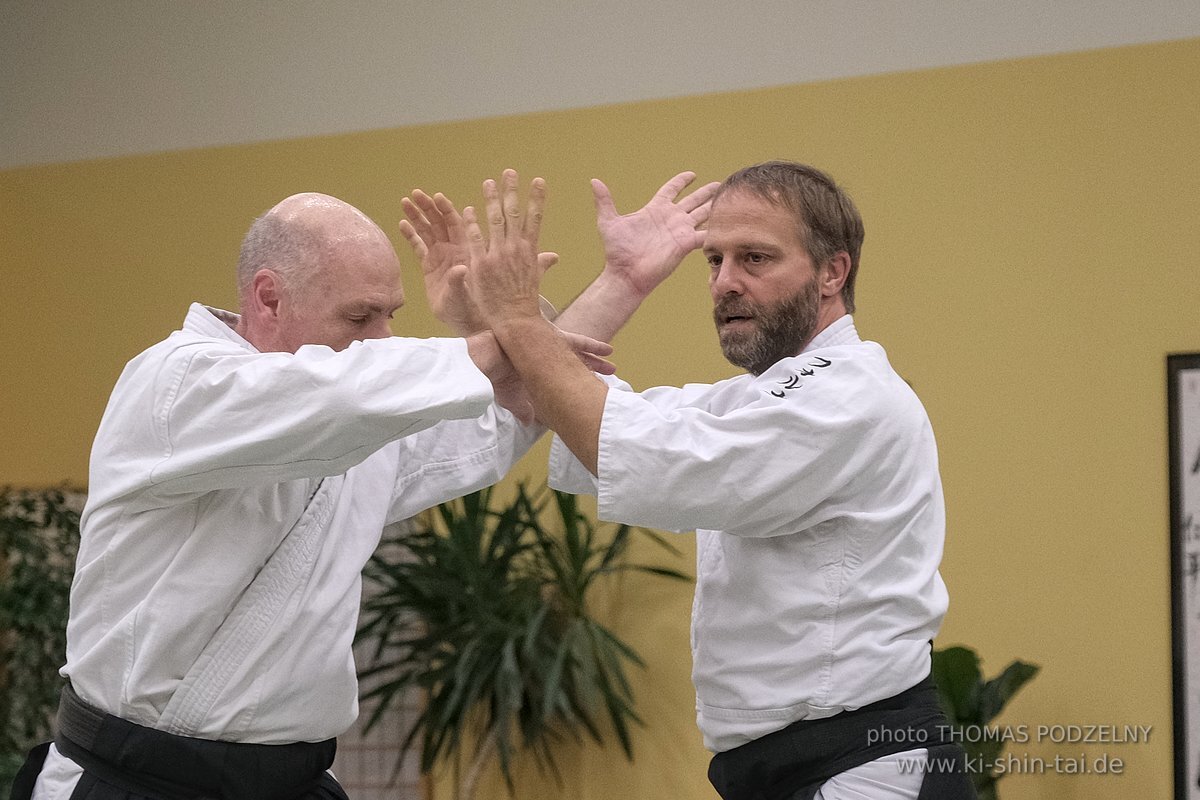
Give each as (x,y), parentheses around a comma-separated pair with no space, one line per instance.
(728,307)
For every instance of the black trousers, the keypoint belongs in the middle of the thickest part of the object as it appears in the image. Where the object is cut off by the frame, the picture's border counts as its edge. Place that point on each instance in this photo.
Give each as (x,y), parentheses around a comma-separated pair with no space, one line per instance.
(125,761)
(792,763)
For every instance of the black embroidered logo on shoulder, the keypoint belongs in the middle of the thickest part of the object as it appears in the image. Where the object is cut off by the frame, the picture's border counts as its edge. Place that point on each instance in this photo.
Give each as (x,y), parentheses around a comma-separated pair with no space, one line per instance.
(795,380)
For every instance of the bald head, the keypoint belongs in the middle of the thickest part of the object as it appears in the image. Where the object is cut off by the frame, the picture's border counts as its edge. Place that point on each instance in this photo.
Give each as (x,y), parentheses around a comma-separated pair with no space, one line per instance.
(300,235)
(316,270)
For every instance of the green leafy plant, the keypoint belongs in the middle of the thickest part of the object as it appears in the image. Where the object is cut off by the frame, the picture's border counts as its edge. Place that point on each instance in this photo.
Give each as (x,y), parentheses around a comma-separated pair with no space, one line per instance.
(485,611)
(39,537)
(970,703)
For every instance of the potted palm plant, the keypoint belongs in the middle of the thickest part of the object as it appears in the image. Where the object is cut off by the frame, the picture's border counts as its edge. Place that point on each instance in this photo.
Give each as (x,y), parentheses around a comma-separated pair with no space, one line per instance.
(39,536)
(485,611)
(971,703)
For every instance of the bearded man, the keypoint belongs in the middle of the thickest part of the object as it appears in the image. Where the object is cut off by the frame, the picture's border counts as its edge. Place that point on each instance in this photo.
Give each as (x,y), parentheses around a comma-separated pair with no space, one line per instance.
(811,482)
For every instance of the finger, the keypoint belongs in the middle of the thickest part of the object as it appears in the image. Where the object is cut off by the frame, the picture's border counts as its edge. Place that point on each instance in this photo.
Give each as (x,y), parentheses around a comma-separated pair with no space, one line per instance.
(414,240)
(532,226)
(425,203)
(605,208)
(597,364)
(455,229)
(495,214)
(416,219)
(586,344)
(671,189)
(547,260)
(700,199)
(510,202)
(475,240)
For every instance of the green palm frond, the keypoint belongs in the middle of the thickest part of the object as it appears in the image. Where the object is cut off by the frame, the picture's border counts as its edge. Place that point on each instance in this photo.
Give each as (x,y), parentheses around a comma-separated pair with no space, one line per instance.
(485,611)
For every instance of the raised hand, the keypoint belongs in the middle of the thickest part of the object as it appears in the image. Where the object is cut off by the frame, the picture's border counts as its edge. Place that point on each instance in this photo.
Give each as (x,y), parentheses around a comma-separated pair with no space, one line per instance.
(505,270)
(504,273)
(435,231)
(503,281)
(644,247)
(437,234)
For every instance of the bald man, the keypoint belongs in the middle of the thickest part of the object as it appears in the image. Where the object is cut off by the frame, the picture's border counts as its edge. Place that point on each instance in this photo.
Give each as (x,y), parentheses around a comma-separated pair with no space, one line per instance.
(240,479)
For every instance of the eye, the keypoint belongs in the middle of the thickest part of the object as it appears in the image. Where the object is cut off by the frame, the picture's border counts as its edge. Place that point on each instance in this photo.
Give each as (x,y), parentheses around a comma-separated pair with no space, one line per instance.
(714,260)
(755,258)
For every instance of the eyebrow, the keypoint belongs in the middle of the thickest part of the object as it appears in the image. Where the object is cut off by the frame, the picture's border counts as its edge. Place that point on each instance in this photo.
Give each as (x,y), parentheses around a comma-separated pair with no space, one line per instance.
(371,308)
(744,246)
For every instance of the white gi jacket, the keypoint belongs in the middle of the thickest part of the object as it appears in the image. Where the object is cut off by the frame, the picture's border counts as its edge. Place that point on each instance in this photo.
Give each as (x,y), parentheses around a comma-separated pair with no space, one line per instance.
(815,496)
(234,498)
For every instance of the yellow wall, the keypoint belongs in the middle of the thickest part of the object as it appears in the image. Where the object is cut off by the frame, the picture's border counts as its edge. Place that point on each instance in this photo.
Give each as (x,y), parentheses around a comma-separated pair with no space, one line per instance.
(1032,230)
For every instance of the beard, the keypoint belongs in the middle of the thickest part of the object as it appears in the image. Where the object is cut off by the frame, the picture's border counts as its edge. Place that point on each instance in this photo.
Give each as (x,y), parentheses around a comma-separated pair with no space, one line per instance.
(778,331)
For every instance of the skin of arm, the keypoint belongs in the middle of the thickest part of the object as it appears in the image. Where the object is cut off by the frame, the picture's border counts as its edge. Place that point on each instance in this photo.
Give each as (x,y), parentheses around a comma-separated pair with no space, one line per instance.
(503,283)
(437,234)
(641,250)
(493,361)
(566,396)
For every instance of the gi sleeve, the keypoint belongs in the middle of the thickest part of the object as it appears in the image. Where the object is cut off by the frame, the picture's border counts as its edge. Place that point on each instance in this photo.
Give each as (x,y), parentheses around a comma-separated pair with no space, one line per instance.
(772,466)
(224,420)
(457,457)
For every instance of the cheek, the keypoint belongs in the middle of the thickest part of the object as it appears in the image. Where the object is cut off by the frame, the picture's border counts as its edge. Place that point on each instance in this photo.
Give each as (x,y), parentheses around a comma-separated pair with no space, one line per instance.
(382,329)
(328,331)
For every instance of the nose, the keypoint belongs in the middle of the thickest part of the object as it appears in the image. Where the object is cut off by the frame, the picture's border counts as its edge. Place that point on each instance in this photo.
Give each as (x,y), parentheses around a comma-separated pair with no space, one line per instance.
(725,280)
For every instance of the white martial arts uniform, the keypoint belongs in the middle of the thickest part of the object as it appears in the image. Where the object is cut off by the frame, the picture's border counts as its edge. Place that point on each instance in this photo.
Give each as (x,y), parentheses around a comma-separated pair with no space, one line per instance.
(234,498)
(814,492)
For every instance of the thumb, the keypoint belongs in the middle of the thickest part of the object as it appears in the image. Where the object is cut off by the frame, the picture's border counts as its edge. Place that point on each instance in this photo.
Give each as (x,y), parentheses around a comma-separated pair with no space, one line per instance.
(547,260)
(456,278)
(605,208)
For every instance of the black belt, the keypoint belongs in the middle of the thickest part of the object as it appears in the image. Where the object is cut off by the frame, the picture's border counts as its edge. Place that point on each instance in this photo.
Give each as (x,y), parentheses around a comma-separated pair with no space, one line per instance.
(120,757)
(793,763)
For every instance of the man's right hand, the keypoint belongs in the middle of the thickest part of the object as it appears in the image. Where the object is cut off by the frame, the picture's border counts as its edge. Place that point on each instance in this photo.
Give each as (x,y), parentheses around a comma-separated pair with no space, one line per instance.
(644,247)
(641,250)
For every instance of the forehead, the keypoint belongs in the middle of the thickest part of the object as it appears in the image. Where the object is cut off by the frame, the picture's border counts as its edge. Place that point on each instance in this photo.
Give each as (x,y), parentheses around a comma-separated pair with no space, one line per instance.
(362,275)
(740,217)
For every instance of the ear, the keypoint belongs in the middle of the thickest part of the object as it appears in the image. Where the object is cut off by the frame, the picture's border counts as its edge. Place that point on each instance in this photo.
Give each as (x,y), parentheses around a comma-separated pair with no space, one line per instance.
(266,291)
(833,275)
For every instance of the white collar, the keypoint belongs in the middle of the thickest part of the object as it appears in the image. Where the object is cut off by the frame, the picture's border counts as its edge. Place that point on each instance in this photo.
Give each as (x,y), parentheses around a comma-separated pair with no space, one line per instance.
(840,331)
(215,322)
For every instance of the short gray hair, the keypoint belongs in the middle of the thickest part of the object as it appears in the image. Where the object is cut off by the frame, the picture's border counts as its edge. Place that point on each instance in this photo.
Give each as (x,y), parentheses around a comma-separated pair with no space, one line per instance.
(287,247)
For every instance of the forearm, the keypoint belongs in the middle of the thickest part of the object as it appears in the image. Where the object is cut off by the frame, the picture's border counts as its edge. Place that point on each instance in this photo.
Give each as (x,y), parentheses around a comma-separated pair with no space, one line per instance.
(566,395)
(602,308)
(231,419)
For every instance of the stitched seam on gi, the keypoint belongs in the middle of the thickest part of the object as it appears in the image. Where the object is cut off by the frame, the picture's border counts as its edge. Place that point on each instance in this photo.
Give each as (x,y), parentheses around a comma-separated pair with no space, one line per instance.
(261,604)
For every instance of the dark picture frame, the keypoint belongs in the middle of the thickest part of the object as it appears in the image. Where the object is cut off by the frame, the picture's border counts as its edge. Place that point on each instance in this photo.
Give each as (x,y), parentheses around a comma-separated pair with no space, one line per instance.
(1183,447)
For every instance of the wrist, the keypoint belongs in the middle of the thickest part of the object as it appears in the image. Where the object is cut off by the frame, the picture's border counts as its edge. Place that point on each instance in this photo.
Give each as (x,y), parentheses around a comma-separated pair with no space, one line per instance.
(466,327)
(618,282)
(519,328)
(618,292)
